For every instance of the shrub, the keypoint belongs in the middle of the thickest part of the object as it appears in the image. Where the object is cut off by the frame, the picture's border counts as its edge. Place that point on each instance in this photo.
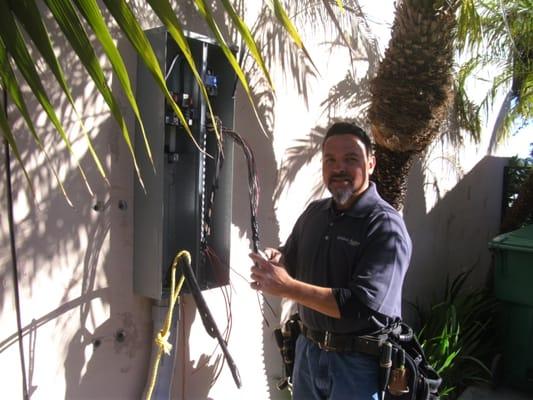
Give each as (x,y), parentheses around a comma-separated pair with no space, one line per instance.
(458,335)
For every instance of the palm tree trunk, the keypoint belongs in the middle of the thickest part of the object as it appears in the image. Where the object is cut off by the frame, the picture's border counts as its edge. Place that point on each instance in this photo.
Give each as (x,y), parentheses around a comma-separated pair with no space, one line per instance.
(411,91)
(390,175)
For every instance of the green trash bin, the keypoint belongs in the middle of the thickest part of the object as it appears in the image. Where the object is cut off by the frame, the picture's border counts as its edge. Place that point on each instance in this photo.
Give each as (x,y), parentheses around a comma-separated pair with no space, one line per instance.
(513,285)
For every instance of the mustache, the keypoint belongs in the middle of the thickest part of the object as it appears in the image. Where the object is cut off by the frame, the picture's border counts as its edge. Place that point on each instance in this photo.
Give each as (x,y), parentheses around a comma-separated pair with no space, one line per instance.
(340,176)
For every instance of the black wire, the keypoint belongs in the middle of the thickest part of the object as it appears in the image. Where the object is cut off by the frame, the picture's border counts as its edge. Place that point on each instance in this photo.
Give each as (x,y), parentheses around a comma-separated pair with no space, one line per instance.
(206,220)
(241,58)
(14,258)
(253,188)
(208,320)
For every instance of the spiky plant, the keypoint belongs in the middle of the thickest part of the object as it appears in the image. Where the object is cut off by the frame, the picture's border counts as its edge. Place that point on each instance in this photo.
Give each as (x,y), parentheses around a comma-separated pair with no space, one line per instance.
(411,91)
(459,334)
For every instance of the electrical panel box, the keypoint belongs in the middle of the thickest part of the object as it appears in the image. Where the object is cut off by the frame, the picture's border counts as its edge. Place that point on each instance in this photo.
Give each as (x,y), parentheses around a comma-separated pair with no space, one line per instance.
(171,210)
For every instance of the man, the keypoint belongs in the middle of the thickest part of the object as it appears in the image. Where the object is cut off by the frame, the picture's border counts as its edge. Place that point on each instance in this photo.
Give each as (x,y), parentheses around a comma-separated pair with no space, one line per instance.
(344,265)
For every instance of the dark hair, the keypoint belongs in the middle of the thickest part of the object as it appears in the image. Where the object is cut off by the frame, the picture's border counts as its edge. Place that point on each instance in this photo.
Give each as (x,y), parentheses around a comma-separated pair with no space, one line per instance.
(348,128)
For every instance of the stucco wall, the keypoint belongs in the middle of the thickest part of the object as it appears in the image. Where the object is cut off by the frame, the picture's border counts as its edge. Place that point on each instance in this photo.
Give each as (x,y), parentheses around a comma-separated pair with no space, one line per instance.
(75,263)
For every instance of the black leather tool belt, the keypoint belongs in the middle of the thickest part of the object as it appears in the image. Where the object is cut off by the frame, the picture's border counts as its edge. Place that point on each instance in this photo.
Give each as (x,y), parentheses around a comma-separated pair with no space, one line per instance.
(344,342)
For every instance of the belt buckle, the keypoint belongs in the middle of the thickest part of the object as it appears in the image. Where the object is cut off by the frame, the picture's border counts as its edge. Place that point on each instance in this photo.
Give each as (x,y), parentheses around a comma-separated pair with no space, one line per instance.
(326,343)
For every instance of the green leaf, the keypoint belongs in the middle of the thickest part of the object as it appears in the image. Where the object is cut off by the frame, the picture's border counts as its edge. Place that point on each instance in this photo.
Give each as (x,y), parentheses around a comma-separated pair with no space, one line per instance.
(208,17)
(286,22)
(13,43)
(8,136)
(71,26)
(248,39)
(165,13)
(92,14)
(458,283)
(447,390)
(448,361)
(131,28)
(10,84)
(329,10)
(339,3)
(469,31)
(28,15)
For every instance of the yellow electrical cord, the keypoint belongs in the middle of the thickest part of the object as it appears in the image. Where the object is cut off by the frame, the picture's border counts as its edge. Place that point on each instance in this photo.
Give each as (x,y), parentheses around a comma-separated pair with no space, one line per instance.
(161,339)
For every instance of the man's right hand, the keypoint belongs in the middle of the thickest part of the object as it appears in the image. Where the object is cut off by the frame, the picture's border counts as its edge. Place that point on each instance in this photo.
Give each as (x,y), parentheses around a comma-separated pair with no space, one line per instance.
(268,275)
(273,255)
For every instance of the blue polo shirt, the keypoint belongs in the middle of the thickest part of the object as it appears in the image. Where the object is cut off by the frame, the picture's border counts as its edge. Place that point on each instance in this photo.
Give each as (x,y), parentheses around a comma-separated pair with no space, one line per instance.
(362,253)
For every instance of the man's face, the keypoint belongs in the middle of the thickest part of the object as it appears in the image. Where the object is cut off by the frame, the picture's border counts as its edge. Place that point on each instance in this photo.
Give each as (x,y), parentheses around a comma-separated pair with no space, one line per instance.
(346,168)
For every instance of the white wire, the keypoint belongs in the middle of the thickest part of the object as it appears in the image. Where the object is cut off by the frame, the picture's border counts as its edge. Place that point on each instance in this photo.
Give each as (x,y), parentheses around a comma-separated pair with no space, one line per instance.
(171,66)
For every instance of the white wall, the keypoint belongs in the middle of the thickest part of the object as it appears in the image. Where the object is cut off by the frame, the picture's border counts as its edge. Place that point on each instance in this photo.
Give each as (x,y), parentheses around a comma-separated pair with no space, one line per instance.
(75,264)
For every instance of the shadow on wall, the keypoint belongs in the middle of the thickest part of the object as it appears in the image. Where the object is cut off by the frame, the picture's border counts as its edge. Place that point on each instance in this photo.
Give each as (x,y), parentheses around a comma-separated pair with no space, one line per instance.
(350,92)
(298,156)
(88,247)
(112,360)
(50,234)
(91,364)
(348,99)
(452,237)
(273,183)
(268,225)
(196,377)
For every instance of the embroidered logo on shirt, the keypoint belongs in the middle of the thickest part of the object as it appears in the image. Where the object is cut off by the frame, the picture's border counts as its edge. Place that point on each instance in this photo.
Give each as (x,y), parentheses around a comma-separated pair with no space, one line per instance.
(351,242)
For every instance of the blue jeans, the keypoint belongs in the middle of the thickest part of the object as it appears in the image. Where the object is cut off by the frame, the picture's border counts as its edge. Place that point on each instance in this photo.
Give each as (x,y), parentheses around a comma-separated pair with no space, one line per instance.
(329,375)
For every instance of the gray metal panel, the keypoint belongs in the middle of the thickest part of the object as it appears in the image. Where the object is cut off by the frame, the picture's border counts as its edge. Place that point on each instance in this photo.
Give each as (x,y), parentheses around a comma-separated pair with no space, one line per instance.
(168,217)
(148,210)
(213,275)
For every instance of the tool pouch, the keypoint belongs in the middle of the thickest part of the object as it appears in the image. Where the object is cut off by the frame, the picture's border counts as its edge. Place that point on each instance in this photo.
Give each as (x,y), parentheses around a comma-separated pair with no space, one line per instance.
(412,378)
(286,340)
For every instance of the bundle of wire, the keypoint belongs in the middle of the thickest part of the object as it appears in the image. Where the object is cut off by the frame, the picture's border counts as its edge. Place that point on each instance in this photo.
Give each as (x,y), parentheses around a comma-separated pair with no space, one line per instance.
(253,189)
(253,185)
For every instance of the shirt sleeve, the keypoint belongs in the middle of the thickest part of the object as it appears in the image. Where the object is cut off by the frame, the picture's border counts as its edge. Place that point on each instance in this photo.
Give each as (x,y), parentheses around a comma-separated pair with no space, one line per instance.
(289,253)
(349,305)
(378,277)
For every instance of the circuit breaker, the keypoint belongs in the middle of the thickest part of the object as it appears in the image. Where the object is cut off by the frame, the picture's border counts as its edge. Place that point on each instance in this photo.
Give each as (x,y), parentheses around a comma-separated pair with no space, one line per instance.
(170,214)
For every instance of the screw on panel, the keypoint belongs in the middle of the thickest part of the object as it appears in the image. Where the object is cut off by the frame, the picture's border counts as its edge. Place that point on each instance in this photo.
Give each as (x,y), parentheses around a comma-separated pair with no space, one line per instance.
(120,336)
(98,206)
(122,205)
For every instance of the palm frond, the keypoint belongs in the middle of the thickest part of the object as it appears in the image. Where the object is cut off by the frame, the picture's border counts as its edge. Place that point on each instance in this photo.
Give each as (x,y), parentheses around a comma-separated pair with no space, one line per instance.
(9,137)
(499,34)
(12,42)
(27,13)
(90,11)
(9,83)
(68,14)
(71,26)
(286,22)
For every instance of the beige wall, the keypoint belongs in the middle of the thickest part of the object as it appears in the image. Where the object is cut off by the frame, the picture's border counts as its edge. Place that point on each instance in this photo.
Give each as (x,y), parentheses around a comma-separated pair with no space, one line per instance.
(75,263)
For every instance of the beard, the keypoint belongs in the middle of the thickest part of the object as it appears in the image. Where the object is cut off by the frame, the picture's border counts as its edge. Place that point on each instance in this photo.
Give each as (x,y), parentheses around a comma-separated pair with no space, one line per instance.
(342,195)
